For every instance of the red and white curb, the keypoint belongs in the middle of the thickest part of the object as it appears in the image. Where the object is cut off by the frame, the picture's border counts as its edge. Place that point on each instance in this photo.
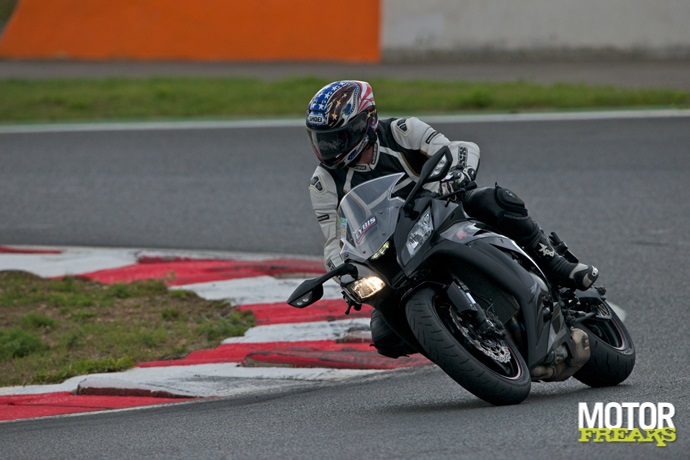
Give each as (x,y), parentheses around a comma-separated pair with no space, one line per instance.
(287,348)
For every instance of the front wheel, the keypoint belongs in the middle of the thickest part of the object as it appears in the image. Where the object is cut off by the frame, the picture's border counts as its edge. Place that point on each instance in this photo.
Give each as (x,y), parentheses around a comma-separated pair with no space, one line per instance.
(490,368)
(612,350)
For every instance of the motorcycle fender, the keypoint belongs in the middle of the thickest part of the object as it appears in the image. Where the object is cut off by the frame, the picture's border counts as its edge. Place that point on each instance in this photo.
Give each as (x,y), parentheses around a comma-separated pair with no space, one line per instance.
(591,293)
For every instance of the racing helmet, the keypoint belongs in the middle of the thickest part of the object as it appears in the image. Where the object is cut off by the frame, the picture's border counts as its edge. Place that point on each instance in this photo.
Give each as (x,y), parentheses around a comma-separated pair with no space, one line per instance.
(341,122)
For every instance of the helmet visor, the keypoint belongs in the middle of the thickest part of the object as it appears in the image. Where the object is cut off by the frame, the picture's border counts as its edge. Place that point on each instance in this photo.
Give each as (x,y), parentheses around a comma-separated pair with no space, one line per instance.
(334,145)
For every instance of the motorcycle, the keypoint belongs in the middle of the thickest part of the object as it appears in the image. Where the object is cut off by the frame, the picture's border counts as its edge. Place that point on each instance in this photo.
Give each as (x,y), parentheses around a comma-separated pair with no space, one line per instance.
(467,297)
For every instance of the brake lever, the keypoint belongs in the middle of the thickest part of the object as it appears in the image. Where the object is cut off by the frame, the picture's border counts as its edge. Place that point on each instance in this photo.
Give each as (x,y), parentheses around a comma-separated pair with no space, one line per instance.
(461,192)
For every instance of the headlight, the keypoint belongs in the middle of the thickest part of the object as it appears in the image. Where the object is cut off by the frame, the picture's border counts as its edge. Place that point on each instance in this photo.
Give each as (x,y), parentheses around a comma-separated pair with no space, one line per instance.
(420,233)
(367,287)
(381,251)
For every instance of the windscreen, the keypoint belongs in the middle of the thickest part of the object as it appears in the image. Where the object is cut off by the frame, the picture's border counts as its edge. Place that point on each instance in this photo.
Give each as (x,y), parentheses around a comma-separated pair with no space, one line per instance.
(368,215)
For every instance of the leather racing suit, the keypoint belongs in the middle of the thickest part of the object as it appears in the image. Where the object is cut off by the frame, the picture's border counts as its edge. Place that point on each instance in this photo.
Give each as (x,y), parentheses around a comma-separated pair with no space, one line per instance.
(403,145)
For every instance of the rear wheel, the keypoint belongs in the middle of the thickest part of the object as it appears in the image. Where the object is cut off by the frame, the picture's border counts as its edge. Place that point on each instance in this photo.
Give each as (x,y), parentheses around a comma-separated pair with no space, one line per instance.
(491,368)
(612,350)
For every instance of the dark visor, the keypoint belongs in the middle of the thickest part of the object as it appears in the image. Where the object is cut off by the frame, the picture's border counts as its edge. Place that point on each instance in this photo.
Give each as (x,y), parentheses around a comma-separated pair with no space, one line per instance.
(332,145)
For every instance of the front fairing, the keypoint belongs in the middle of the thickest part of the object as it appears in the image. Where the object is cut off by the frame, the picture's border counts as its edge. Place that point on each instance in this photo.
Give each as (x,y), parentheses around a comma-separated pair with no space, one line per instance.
(367,217)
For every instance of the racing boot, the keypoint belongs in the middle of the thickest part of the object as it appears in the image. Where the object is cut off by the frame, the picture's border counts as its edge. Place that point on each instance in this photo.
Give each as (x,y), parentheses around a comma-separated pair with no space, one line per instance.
(558,268)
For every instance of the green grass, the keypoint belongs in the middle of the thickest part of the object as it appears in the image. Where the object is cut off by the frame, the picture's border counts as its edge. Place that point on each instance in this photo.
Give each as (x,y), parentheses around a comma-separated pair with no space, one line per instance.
(205,98)
(6,10)
(51,330)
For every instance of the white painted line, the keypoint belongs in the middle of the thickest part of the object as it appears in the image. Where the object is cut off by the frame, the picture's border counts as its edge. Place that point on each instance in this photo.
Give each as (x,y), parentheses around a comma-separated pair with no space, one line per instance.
(260,289)
(73,261)
(183,254)
(299,122)
(297,332)
(67,385)
(202,380)
(559,116)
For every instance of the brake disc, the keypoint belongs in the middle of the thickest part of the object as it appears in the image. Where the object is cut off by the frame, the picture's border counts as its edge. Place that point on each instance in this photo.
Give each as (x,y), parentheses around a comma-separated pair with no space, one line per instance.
(494,349)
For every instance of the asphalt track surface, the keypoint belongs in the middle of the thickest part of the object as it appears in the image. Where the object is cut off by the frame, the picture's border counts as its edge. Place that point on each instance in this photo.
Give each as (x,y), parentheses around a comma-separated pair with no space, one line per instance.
(616,190)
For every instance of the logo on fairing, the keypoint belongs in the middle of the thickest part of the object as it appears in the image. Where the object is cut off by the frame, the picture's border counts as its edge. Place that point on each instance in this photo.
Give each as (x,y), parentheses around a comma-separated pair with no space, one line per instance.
(366,226)
(461,235)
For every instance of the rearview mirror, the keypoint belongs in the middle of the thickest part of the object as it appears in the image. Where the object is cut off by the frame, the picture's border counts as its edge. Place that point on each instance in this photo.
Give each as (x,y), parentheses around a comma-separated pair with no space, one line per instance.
(439,168)
(306,293)
(312,290)
(435,168)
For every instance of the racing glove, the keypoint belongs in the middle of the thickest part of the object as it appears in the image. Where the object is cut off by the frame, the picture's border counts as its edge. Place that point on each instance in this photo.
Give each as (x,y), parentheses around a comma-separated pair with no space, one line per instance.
(457,179)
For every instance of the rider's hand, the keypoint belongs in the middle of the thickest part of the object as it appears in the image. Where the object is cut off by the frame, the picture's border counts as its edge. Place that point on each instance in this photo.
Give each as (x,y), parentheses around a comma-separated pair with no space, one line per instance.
(457,179)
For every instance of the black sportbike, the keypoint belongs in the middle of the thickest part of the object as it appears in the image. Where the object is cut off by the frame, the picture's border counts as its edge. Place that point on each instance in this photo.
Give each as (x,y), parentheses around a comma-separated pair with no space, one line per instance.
(465,296)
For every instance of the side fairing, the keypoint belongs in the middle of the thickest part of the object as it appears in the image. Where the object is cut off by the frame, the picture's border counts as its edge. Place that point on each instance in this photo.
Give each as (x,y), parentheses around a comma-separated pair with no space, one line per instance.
(487,263)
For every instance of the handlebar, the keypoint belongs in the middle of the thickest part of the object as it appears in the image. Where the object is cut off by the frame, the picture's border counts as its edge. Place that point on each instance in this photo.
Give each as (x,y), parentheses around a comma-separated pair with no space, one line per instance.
(459,193)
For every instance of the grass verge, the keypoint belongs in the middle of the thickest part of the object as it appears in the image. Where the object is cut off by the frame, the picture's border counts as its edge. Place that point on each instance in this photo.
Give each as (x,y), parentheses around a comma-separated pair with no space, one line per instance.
(6,10)
(170,98)
(51,330)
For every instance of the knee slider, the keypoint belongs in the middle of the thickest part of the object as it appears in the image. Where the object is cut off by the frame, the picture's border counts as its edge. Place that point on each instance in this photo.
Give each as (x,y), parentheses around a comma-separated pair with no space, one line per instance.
(510,202)
(499,207)
(514,219)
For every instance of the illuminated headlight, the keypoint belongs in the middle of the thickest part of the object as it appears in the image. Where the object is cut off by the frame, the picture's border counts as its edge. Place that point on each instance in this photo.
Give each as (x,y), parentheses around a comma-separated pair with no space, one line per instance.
(420,233)
(367,287)
(381,251)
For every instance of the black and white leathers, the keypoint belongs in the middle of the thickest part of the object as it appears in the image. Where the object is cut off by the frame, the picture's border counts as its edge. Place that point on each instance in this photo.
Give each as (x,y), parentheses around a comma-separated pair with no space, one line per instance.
(403,145)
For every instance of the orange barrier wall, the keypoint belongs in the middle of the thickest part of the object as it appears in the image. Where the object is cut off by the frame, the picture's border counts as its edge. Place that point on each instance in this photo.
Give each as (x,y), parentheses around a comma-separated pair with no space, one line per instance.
(247,30)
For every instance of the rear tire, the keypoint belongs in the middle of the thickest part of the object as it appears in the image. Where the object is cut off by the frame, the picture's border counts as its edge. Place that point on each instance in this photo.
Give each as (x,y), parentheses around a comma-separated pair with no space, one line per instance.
(612,350)
(441,336)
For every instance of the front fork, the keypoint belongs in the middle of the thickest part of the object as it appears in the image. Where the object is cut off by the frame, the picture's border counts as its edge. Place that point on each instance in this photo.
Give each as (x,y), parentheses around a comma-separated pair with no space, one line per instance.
(462,301)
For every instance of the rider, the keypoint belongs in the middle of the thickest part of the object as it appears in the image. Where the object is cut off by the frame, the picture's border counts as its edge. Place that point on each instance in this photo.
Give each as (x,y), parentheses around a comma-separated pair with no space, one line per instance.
(354,146)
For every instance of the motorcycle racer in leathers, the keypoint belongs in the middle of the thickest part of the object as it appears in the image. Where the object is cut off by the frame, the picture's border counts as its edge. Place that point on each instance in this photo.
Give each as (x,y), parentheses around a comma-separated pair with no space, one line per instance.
(354,146)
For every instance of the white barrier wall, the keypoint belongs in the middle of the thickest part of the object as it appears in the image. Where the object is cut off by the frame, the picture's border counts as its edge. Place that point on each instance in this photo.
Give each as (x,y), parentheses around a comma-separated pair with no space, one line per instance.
(659,28)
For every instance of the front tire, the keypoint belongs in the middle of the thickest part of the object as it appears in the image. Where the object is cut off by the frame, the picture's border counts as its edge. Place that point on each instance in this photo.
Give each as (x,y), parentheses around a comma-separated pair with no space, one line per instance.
(491,369)
(612,350)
